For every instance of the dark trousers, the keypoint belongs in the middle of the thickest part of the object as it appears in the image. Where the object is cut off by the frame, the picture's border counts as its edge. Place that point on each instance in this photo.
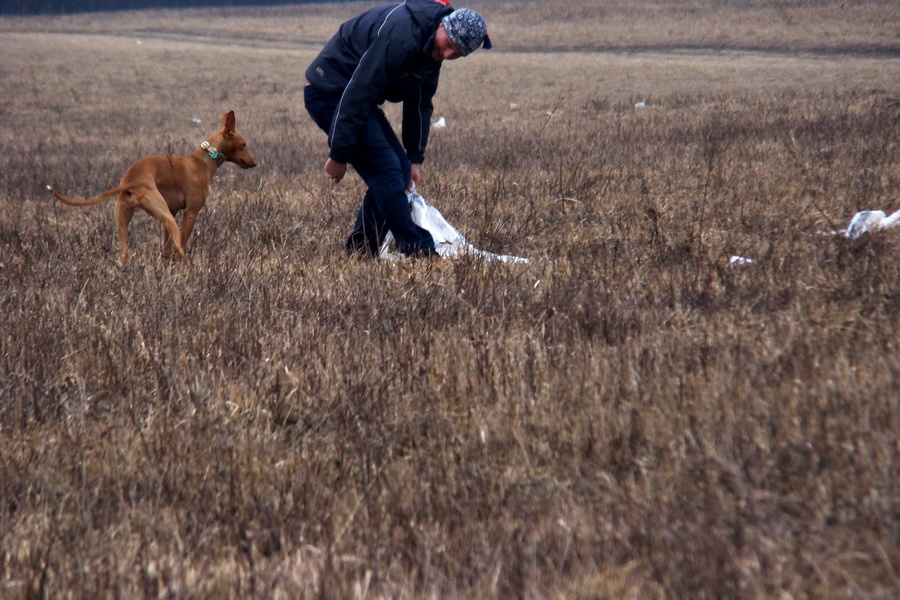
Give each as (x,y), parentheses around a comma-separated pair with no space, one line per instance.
(381,161)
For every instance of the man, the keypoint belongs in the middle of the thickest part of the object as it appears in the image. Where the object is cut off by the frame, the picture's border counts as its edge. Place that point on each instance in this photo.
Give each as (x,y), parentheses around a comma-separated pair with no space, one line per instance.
(391,53)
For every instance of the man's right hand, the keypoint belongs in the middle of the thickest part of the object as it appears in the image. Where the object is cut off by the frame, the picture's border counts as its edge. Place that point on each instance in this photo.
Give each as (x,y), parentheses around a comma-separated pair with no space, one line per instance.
(415,176)
(335,170)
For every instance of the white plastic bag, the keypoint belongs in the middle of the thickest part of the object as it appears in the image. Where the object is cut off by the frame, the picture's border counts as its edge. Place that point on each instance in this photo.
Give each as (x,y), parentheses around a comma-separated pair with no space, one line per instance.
(448,241)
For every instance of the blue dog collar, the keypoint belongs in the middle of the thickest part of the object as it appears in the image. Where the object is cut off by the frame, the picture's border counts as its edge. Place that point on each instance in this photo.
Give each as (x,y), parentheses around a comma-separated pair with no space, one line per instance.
(213,153)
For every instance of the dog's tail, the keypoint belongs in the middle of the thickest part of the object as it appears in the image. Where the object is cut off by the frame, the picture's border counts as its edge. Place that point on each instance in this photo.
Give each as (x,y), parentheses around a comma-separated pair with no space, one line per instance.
(96,200)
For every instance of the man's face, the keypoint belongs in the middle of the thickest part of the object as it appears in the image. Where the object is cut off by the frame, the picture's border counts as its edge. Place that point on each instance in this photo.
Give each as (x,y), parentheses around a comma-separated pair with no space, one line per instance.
(443,48)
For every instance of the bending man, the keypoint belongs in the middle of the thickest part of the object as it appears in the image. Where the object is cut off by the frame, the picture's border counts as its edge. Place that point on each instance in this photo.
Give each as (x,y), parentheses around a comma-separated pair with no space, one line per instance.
(391,53)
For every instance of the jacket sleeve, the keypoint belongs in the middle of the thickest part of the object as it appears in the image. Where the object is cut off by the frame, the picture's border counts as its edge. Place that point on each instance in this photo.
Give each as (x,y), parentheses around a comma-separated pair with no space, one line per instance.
(363,94)
(417,119)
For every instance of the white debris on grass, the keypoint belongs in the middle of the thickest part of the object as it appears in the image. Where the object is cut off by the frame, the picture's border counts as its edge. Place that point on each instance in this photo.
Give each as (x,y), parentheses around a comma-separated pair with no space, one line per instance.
(865,221)
(448,241)
(862,222)
(741,260)
(641,104)
(440,123)
(870,220)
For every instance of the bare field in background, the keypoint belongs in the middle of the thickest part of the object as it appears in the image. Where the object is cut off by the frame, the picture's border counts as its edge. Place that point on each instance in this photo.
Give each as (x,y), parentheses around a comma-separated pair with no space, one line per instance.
(628,416)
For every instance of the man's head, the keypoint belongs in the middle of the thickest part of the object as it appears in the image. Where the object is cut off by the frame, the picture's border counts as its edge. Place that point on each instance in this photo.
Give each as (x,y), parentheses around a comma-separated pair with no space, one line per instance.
(466,31)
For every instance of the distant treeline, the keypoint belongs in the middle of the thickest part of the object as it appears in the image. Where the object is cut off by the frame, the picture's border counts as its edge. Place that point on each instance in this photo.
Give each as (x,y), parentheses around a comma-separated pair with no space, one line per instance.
(56,7)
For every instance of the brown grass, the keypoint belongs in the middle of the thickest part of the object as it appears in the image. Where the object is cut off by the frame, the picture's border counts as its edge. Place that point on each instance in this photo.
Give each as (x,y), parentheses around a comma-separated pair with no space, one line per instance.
(629,416)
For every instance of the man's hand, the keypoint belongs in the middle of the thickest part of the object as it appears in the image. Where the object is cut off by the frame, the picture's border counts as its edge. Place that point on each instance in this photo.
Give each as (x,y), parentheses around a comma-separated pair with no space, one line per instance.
(335,170)
(415,176)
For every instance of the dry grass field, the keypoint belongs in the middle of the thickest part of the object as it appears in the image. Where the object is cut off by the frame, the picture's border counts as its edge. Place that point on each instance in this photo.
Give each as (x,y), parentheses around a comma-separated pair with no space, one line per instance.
(628,416)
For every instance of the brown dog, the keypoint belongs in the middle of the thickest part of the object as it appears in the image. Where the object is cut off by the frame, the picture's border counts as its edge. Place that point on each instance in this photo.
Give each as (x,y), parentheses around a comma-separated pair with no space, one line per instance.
(165,185)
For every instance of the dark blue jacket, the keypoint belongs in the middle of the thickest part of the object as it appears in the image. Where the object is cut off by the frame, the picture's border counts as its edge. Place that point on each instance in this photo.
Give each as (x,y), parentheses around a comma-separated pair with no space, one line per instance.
(382,55)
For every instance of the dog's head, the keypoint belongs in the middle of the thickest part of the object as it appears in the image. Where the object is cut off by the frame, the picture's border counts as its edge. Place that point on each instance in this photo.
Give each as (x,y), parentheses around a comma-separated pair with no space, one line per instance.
(233,146)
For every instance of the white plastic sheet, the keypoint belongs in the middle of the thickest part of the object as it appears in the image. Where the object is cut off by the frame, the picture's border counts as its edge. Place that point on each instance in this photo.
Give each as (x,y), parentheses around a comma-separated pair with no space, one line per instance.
(448,241)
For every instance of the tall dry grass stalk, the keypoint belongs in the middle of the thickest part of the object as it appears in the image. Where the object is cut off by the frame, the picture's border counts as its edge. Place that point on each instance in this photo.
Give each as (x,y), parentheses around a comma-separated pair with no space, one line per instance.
(629,415)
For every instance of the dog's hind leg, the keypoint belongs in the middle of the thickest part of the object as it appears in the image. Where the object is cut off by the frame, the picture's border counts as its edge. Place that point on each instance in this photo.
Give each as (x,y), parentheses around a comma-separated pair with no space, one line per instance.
(124,212)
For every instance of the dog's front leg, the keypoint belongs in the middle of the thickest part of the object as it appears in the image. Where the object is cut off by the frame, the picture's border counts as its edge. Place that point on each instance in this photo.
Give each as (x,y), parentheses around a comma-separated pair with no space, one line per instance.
(165,248)
(187,226)
(153,202)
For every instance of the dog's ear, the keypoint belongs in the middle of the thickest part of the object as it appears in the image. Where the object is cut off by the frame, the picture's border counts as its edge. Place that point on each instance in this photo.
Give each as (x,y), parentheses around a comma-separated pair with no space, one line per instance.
(228,122)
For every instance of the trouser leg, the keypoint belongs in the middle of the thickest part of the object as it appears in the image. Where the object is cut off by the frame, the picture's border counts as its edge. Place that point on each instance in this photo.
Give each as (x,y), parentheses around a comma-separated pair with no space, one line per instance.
(381,161)
(370,228)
